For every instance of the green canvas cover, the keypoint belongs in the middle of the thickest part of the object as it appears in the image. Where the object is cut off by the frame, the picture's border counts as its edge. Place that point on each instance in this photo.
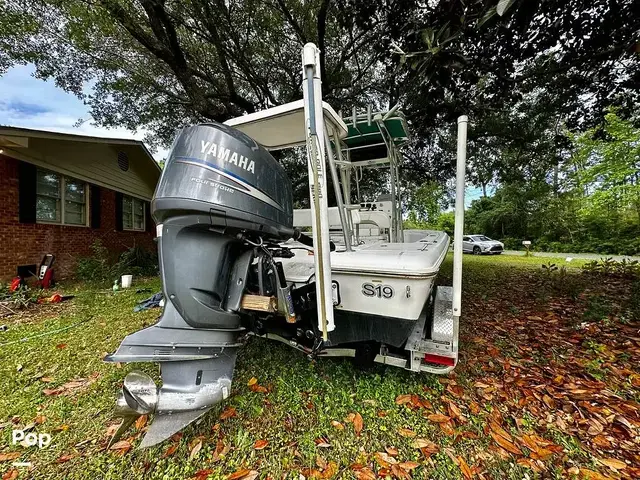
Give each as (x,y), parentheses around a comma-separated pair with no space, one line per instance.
(364,134)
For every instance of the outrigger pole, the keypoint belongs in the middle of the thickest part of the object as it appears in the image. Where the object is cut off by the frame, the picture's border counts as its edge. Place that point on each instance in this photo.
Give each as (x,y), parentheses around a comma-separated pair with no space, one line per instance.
(459,215)
(315,133)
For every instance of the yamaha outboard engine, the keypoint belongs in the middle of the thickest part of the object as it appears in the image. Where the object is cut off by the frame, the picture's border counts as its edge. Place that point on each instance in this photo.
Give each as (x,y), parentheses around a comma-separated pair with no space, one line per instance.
(220,200)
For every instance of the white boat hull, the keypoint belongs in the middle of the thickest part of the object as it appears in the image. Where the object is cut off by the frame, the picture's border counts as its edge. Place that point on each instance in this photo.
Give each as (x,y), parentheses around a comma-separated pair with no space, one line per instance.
(386,279)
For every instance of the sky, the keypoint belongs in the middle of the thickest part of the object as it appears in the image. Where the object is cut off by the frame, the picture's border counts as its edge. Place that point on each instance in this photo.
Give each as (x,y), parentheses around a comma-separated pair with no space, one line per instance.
(28,102)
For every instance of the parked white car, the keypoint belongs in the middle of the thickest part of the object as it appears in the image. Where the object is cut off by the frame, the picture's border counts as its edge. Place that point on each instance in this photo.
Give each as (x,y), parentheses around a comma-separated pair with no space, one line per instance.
(479,244)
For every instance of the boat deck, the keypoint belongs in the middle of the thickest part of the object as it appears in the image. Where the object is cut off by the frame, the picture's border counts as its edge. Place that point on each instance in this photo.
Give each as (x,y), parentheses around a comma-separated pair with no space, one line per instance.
(417,259)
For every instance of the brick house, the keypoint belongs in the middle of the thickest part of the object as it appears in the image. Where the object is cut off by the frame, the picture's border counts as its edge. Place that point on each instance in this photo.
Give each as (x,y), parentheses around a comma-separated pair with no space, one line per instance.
(61,192)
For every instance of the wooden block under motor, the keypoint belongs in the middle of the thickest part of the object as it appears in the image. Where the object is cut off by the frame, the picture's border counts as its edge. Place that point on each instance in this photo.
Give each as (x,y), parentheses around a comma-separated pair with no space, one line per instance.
(260,303)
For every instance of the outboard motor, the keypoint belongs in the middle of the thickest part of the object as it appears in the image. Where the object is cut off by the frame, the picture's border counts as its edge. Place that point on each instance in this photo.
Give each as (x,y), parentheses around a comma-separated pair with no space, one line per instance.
(220,200)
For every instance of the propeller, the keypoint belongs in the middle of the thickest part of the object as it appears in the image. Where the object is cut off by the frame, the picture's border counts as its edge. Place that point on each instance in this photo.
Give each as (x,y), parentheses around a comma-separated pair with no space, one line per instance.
(139,396)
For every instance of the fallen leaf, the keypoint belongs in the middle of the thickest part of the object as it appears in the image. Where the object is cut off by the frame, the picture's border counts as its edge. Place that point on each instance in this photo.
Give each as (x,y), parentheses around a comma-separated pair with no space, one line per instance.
(498,430)
(141,422)
(474,408)
(438,418)
(196,446)
(40,419)
(311,473)
(260,444)
(455,390)
(595,427)
(337,425)
(591,475)
(330,471)
(121,447)
(358,423)
(65,458)
(239,474)
(62,428)
(403,399)
(409,465)
(5,457)
(202,474)
(424,443)
(447,428)
(52,391)
(171,450)
(10,474)
(504,443)
(528,463)
(228,413)
(464,468)
(258,388)
(541,454)
(349,418)
(322,442)
(384,459)
(454,411)
(321,462)
(221,450)
(60,346)
(398,472)
(405,432)
(252,381)
(614,464)
(364,473)
(392,451)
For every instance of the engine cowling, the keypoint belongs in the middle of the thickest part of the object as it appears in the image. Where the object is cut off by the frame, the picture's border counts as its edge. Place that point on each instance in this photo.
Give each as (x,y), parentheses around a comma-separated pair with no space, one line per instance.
(226,178)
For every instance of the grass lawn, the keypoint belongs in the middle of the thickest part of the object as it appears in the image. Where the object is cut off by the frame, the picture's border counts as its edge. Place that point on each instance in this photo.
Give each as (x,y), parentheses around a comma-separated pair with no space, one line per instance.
(547,386)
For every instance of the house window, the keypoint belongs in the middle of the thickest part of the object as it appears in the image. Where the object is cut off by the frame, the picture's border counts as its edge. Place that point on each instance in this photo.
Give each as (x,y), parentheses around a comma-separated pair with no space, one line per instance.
(133,214)
(60,199)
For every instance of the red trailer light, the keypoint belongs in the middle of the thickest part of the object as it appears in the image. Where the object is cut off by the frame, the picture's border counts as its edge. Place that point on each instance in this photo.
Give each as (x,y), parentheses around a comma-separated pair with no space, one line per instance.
(439,360)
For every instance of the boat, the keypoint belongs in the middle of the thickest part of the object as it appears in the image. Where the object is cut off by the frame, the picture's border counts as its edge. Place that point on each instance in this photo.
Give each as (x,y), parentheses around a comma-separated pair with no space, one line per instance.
(237,260)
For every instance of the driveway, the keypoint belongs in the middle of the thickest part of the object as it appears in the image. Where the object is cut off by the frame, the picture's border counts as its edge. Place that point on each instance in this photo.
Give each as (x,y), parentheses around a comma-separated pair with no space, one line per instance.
(585,256)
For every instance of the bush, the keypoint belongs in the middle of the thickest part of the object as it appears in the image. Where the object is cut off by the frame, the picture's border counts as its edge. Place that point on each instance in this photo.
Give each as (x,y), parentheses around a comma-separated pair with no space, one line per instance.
(613,268)
(137,261)
(511,243)
(100,265)
(97,267)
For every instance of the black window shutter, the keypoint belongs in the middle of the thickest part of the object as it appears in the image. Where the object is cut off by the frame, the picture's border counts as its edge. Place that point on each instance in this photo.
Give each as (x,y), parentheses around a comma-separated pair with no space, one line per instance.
(118,211)
(94,196)
(27,192)
(148,220)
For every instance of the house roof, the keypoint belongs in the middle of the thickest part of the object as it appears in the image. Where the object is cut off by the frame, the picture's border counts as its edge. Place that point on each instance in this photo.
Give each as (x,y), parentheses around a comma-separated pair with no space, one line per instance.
(93,159)
(9,131)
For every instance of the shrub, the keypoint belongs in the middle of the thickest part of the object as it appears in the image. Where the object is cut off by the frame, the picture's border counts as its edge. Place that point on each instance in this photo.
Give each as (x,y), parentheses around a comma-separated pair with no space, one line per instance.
(610,267)
(137,261)
(511,243)
(97,267)
(101,267)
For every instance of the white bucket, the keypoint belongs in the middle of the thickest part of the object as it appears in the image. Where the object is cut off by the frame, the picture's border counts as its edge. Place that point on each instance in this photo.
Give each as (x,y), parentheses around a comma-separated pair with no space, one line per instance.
(126,281)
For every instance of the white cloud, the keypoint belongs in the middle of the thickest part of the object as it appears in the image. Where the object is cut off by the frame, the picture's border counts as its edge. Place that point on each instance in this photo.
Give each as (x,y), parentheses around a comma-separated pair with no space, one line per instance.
(28,102)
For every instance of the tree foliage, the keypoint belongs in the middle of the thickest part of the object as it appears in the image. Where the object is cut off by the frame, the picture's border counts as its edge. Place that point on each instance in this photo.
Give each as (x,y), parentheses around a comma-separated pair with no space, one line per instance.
(522,70)
(594,205)
(159,64)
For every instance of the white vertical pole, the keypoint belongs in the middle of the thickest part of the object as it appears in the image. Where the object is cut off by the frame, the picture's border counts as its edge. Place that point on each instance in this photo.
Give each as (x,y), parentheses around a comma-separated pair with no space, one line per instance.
(459,215)
(315,130)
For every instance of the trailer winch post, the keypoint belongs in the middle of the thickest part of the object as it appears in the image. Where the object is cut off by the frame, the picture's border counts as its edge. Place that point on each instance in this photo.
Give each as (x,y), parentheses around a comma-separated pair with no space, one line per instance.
(316,155)
(459,215)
